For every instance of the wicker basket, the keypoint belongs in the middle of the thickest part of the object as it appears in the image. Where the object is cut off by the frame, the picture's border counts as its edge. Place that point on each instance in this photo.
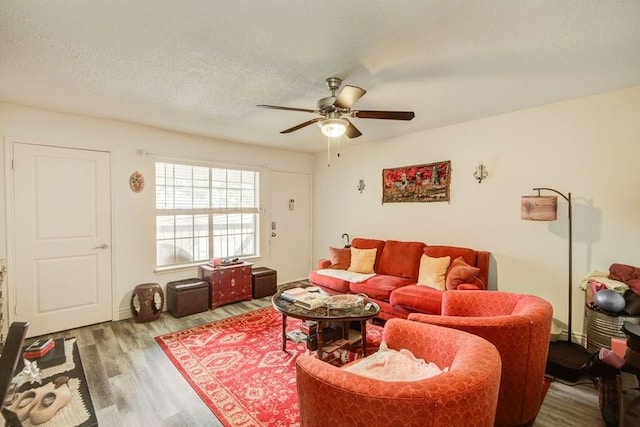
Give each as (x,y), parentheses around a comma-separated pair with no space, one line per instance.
(601,327)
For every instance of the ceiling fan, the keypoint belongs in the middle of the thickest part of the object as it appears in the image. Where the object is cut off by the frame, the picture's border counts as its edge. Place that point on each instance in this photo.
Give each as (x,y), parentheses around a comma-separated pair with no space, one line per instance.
(334,109)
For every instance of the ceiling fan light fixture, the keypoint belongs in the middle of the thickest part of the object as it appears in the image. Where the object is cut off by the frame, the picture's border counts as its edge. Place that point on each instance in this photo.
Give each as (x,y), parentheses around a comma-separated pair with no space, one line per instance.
(332,108)
(333,127)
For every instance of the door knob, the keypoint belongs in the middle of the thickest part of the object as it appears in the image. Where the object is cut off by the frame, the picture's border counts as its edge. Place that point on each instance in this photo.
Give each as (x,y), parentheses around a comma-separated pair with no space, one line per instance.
(102,246)
(273,234)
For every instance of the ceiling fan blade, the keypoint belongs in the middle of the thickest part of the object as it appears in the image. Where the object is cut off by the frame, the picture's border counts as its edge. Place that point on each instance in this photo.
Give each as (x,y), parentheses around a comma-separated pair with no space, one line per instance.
(276,107)
(348,96)
(385,115)
(352,131)
(301,125)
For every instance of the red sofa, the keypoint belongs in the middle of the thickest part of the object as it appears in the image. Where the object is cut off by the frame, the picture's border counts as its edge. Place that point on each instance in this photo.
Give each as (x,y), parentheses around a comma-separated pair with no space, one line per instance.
(396,269)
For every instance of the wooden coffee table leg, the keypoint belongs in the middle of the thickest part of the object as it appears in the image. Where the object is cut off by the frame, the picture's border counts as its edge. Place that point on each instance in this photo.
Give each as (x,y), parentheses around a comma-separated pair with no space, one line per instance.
(320,339)
(284,332)
(363,333)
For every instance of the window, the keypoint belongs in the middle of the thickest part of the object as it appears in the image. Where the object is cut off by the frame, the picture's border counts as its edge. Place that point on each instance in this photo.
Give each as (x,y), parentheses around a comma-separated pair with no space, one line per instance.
(205,212)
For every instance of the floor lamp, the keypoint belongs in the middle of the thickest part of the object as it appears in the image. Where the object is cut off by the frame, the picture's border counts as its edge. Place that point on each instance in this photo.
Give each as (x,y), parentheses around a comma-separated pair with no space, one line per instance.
(566,360)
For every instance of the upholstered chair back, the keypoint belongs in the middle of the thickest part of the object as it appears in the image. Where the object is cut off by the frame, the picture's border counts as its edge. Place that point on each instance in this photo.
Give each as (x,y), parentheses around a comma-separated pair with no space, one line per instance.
(520,327)
(466,395)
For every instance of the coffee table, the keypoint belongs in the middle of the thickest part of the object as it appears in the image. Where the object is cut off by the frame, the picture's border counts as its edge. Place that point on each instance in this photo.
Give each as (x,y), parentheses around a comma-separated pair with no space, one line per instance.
(325,317)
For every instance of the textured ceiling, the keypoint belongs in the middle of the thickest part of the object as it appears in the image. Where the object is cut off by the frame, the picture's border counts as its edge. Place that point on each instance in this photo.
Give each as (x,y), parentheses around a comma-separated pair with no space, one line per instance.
(201,66)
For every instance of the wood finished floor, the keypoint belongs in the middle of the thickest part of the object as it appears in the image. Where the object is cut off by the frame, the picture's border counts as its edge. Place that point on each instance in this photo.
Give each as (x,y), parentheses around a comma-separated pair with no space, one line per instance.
(133,383)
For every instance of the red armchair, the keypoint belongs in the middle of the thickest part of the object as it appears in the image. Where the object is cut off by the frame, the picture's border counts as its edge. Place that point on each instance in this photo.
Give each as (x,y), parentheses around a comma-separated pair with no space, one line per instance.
(466,395)
(519,326)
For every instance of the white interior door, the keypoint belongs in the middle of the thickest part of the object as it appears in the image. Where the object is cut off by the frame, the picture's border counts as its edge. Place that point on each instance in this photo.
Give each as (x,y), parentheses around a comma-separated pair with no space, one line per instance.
(62,237)
(291,225)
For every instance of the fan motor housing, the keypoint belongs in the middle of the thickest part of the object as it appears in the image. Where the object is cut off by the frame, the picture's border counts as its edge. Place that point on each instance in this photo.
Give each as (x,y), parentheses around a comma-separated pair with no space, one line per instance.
(326,104)
(333,83)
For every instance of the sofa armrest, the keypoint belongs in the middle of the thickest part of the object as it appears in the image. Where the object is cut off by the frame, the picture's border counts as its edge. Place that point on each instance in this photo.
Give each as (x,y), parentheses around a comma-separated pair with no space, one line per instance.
(483,258)
(323,263)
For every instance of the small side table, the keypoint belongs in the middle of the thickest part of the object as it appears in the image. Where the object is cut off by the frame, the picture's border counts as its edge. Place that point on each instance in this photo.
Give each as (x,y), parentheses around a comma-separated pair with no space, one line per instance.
(602,326)
(149,309)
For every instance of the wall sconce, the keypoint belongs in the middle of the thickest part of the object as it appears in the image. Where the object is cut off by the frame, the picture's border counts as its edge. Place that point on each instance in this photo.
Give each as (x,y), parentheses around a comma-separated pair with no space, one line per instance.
(480,173)
(361,186)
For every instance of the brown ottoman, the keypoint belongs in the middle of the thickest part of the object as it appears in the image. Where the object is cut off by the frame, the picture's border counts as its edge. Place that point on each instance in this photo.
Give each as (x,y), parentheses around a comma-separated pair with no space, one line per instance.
(187,296)
(264,282)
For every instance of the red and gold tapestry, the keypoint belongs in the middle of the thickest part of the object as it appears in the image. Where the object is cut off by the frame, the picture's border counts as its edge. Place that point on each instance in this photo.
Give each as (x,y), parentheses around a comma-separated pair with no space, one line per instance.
(419,183)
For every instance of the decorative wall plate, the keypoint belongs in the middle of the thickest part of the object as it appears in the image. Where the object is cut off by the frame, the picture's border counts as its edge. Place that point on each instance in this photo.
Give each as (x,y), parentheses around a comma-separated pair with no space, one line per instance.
(136,182)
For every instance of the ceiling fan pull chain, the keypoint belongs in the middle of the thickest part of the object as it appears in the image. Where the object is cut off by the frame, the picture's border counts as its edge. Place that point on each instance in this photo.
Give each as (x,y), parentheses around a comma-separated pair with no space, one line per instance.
(328,151)
(339,138)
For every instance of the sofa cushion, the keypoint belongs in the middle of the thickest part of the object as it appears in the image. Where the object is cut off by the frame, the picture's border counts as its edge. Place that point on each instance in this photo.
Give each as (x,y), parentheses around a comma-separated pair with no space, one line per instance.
(379,286)
(360,243)
(460,272)
(331,284)
(401,259)
(432,271)
(362,260)
(418,298)
(469,255)
(340,258)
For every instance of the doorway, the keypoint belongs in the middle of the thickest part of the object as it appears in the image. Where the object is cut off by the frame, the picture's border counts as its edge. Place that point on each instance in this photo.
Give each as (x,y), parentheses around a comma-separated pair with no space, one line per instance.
(290,227)
(61,220)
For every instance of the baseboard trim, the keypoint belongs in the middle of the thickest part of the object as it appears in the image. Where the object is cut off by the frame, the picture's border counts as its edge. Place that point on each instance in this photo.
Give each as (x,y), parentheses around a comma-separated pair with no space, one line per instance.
(576,338)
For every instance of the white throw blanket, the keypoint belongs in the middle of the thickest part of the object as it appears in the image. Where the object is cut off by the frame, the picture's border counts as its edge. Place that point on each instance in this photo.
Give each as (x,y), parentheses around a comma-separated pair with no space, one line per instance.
(349,276)
(392,365)
(603,277)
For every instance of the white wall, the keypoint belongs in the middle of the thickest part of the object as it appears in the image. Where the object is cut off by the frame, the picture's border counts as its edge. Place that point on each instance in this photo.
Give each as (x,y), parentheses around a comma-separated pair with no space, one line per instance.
(588,146)
(134,214)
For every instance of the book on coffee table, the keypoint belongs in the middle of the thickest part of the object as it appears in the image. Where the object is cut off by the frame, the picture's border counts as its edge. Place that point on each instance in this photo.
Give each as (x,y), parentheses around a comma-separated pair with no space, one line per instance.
(295,292)
(309,302)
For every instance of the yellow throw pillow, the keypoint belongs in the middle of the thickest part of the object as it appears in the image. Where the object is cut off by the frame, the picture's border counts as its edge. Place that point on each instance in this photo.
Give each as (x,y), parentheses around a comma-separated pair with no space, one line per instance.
(362,260)
(433,271)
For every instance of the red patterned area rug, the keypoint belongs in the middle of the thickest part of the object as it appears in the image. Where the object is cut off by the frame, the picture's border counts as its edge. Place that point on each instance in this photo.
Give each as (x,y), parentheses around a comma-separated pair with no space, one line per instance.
(238,368)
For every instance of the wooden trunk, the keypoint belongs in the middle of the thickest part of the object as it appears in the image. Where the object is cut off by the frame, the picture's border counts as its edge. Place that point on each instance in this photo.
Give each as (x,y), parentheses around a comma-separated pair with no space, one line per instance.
(228,283)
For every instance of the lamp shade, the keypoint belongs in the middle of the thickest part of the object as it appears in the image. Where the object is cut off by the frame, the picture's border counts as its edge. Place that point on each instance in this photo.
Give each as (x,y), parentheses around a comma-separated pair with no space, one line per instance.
(539,208)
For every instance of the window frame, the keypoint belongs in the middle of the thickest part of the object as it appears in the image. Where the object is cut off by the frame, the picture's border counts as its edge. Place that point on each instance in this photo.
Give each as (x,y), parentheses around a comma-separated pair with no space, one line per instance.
(211,212)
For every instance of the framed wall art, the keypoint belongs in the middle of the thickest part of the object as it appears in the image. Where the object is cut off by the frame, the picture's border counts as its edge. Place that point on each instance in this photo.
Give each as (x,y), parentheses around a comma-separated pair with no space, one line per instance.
(419,183)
